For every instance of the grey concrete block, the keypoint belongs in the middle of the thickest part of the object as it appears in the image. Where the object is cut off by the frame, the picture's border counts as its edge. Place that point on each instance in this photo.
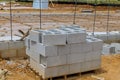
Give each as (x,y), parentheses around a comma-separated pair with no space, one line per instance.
(48,72)
(87,47)
(53,38)
(91,65)
(63,50)
(63,70)
(34,36)
(97,43)
(94,55)
(46,50)
(75,58)
(54,60)
(33,55)
(3,45)
(75,68)
(76,48)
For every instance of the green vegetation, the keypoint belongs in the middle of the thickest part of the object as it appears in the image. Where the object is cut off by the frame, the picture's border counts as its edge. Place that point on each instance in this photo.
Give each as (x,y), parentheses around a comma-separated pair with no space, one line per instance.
(93,1)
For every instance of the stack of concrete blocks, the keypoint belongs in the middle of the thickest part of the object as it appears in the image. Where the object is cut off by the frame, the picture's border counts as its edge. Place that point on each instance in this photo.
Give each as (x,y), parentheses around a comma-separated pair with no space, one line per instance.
(12,49)
(63,51)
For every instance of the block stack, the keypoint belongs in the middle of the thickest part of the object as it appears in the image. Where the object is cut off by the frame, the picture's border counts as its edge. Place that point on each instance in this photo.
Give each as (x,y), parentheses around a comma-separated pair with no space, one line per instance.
(63,51)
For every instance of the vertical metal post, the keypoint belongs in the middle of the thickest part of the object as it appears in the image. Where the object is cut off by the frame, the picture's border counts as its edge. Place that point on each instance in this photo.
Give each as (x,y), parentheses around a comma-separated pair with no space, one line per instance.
(108,17)
(94,18)
(40,14)
(74,20)
(11,21)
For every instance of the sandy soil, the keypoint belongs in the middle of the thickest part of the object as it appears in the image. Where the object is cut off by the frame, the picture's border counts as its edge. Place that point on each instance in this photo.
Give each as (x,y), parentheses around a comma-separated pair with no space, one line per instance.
(58,15)
(19,70)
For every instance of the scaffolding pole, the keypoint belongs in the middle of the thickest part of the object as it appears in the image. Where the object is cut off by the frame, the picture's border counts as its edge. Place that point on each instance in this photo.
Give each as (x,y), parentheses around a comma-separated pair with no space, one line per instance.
(40,14)
(75,12)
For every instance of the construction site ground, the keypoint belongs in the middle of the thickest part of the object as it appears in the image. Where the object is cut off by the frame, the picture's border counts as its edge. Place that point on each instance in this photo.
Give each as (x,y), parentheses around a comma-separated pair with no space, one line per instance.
(18,69)
(24,17)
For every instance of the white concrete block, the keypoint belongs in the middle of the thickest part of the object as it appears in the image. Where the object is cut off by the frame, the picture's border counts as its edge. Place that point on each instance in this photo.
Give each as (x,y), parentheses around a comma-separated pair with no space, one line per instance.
(75,58)
(46,50)
(91,65)
(34,65)
(97,43)
(35,36)
(87,47)
(75,68)
(63,70)
(48,72)
(3,45)
(53,61)
(63,50)
(74,36)
(53,38)
(76,48)
(33,55)
(106,49)
(94,55)
(27,42)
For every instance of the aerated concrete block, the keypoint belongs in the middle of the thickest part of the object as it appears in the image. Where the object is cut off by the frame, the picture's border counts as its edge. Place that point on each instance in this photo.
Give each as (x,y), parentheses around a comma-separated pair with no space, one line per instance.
(53,61)
(75,58)
(76,48)
(3,45)
(27,42)
(63,50)
(46,50)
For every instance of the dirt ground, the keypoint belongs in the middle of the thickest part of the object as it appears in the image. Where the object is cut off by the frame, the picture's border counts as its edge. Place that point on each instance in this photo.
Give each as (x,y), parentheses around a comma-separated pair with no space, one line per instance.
(61,14)
(19,70)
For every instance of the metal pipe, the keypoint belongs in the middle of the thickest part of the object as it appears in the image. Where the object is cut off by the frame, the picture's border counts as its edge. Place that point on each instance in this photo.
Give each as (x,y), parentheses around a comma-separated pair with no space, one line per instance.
(74,19)
(11,21)
(40,14)
(94,17)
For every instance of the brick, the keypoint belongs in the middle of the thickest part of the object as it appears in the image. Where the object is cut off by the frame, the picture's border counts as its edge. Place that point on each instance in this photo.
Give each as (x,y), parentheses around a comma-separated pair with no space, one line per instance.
(75,58)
